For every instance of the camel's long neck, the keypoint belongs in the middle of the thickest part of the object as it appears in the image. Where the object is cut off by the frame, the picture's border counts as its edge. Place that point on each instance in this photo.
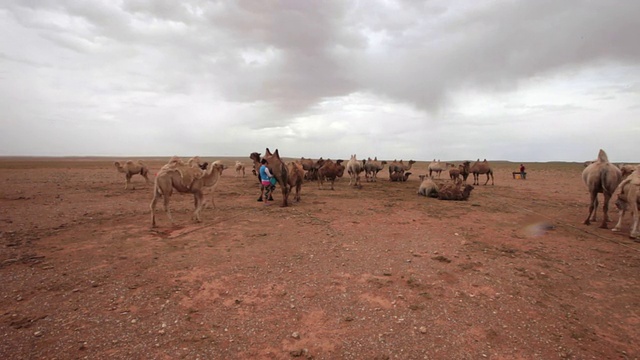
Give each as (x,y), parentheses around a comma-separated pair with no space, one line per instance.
(212,179)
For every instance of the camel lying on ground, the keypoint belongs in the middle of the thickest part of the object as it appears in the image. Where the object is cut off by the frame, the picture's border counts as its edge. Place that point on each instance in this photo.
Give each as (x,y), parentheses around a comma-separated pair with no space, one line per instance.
(629,200)
(454,191)
(600,177)
(400,177)
(481,168)
(428,187)
(130,168)
(184,179)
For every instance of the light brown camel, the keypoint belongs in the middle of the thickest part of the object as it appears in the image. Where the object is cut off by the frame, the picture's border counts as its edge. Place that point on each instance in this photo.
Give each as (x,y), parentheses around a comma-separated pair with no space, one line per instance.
(131,168)
(399,167)
(279,171)
(601,177)
(239,168)
(296,178)
(629,200)
(481,168)
(184,179)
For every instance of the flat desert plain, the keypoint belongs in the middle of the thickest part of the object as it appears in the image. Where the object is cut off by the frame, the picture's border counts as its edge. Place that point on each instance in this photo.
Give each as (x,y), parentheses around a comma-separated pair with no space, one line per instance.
(372,273)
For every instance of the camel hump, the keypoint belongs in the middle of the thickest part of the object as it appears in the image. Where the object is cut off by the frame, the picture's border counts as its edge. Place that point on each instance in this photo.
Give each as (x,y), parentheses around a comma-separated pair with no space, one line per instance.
(602,156)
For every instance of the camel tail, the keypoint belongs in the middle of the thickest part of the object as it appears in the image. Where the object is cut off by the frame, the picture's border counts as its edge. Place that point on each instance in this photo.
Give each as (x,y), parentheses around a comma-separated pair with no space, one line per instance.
(602,156)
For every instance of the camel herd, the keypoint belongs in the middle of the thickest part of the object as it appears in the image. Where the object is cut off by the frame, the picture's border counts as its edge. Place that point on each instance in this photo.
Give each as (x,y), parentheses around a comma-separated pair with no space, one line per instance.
(599,176)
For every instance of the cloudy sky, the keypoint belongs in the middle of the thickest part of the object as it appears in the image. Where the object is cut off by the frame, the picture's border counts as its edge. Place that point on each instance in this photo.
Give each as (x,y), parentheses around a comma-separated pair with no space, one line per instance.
(514,80)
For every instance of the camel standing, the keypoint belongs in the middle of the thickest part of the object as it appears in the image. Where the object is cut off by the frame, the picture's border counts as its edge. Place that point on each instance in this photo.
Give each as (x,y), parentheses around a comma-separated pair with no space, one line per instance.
(354,168)
(279,171)
(184,179)
(255,157)
(399,167)
(481,168)
(296,178)
(131,168)
(239,168)
(601,177)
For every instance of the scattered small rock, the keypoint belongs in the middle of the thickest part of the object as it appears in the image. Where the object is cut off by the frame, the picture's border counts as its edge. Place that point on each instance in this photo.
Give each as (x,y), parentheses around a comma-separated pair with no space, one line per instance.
(295,335)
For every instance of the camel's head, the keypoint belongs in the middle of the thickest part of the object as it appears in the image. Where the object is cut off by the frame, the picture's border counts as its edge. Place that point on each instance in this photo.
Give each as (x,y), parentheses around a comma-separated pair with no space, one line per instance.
(383,162)
(422,177)
(117,164)
(255,156)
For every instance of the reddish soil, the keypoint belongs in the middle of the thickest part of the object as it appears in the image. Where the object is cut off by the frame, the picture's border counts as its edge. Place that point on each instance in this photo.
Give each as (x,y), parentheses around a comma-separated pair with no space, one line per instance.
(371,273)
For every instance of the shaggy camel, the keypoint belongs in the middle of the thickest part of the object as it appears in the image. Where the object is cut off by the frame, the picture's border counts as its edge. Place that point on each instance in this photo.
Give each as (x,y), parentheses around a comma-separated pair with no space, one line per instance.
(279,171)
(329,171)
(601,177)
(629,200)
(399,177)
(481,168)
(296,178)
(354,168)
(184,179)
(372,167)
(239,168)
(455,191)
(255,157)
(131,168)
(427,186)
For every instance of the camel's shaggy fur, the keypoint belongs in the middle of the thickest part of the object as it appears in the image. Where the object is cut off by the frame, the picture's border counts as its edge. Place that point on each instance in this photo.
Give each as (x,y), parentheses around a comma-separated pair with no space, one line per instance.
(354,168)
(296,178)
(629,200)
(329,171)
(184,180)
(626,170)
(279,171)
(400,177)
(239,168)
(311,167)
(481,168)
(601,177)
(130,168)
(372,167)
(455,191)
(428,187)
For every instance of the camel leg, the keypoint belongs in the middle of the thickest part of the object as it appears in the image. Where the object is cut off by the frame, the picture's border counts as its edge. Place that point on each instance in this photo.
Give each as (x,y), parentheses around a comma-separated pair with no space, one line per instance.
(153,209)
(619,223)
(592,206)
(605,210)
(127,181)
(198,199)
(285,195)
(166,207)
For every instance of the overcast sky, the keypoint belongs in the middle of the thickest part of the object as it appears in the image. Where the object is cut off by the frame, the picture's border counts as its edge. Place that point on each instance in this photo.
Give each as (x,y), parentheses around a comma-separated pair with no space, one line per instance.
(511,80)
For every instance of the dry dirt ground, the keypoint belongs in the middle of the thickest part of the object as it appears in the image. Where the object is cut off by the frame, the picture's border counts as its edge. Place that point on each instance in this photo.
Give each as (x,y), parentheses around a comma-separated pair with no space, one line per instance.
(371,273)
